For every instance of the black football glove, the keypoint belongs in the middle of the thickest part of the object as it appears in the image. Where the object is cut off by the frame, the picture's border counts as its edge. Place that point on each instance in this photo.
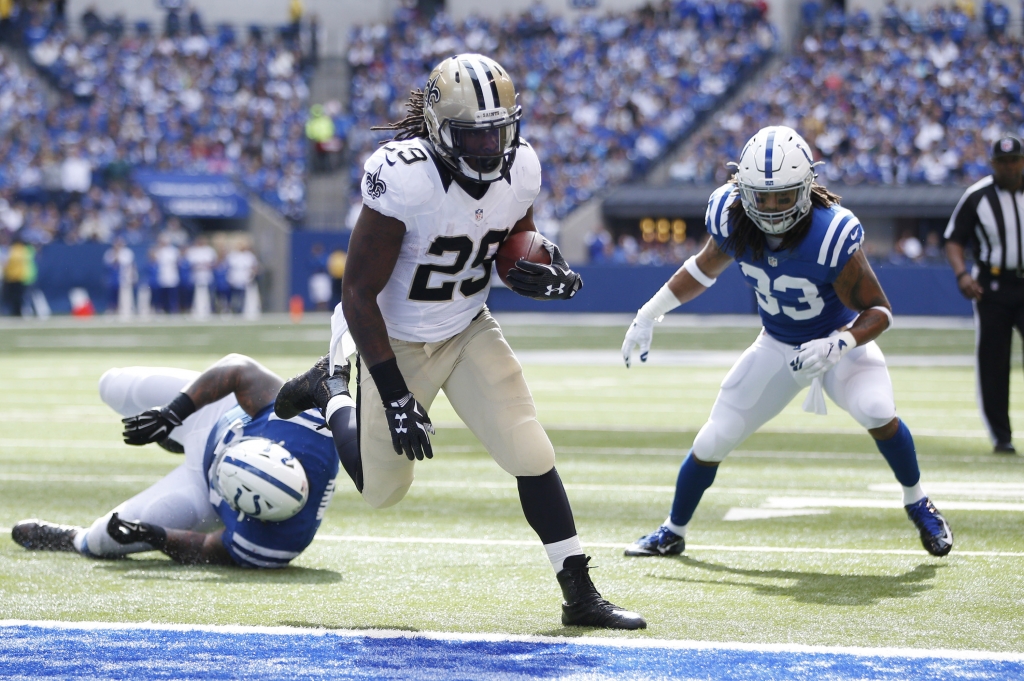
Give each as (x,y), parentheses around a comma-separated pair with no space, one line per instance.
(154,425)
(128,532)
(409,425)
(545,282)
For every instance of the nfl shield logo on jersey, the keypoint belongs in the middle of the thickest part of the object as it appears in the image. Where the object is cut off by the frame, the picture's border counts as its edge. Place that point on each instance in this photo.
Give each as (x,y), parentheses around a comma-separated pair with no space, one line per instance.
(479,214)
(772,261)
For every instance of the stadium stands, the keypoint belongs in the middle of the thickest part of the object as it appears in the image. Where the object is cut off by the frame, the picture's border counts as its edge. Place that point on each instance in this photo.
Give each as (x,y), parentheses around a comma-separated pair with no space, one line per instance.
(196,103)
(898,99)
(604,96)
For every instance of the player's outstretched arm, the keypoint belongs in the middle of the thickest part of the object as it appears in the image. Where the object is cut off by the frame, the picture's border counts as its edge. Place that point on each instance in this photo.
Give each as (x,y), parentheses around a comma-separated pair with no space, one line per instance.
(695,276)
(253,384)
(373,251)
(182,546)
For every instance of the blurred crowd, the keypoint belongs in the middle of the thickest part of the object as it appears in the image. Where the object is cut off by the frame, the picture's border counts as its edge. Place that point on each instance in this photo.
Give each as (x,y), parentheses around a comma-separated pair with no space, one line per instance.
(902,97)
(186,99)
(603,96)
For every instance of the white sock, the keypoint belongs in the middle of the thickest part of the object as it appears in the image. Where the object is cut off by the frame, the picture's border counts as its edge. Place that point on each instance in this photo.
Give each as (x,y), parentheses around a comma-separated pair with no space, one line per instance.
(912,495)
(678,529)
(560,550)
(336,403)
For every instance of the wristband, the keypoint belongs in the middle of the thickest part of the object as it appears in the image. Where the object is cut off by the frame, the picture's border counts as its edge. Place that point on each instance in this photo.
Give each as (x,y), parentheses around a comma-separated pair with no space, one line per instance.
(389,381)
(961,274)
(181,406)
(691,266)
(886,311)
(661,302)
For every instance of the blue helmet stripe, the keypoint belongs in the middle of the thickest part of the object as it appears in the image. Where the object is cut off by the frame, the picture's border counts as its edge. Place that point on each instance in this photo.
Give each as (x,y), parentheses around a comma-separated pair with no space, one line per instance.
(266,476)
(768,155)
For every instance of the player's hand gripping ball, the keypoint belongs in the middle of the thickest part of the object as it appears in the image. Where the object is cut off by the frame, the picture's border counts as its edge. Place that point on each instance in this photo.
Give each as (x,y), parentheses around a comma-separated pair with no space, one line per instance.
(534,275)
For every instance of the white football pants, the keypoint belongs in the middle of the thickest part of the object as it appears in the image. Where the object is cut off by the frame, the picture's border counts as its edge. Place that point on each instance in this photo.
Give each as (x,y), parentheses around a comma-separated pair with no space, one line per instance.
(762,383)
(181,500)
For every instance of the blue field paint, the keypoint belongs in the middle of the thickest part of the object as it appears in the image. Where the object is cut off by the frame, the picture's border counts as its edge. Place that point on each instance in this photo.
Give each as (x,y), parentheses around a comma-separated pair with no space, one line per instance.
(40,650)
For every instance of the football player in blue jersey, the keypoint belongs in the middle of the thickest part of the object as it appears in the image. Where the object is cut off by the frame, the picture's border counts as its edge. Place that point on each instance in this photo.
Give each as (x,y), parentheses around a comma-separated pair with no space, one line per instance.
(822,309)
(251,492)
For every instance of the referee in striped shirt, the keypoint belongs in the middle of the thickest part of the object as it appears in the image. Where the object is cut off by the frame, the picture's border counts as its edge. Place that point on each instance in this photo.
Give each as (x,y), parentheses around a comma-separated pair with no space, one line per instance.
(990,221)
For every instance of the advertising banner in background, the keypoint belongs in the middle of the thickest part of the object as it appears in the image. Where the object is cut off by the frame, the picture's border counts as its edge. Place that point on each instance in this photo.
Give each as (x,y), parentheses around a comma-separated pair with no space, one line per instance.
(194,196)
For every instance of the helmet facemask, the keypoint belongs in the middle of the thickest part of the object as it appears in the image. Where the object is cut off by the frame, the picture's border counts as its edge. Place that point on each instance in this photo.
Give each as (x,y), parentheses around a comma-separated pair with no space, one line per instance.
(776,209)
(774,176)
(472,117)
(483,150)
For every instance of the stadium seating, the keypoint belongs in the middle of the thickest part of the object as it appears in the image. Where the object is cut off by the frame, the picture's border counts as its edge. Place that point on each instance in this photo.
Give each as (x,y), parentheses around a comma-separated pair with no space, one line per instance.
(194,103)
(898,99)
(604,96)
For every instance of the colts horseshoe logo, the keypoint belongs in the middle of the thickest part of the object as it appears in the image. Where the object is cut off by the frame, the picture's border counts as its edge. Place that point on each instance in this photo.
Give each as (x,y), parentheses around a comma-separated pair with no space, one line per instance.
(375,186)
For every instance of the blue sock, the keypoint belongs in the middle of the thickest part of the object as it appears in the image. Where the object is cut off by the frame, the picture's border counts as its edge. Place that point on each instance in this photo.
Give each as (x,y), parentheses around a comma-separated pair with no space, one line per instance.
(690,485)
(902,457)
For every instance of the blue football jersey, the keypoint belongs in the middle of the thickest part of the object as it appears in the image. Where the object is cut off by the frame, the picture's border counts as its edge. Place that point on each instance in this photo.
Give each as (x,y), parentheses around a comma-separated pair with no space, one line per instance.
(794,287)
(258,543)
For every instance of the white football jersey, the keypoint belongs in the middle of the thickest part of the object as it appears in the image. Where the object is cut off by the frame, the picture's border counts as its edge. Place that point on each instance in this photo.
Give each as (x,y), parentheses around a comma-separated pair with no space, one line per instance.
(443,273)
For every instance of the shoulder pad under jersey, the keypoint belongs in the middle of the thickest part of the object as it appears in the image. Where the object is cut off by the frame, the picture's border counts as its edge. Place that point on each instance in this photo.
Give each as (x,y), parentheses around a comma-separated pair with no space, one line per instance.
(525,173)
(399,179)
(716,218)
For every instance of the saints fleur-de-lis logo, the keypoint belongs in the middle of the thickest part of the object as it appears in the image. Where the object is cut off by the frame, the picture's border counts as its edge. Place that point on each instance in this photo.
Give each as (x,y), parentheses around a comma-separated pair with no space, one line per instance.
(375,186)
(433,92)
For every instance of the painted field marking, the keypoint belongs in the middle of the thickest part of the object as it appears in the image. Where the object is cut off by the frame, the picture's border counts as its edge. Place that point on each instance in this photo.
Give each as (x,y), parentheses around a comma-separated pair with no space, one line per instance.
(535,544)
(596,641)
(1005,490)
(704,358)
(740,513)
(850,502)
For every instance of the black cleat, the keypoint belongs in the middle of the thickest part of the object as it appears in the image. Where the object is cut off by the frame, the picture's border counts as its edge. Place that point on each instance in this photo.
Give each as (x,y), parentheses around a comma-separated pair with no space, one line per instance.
(1004,448)
(661,542)
(936,535)
(314,388)
(39,535)
(584,607)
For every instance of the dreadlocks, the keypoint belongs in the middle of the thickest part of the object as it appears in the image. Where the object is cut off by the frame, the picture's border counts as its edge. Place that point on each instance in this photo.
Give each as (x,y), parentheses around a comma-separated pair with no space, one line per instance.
(745,233)
(413,126)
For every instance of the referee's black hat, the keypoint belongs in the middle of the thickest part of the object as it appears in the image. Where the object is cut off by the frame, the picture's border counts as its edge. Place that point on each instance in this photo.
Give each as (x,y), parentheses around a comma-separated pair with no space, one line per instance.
(1007,145)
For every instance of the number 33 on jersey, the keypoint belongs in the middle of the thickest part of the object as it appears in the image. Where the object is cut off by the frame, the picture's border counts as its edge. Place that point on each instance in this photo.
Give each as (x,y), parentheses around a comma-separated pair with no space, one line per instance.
(794,287)
(443,273)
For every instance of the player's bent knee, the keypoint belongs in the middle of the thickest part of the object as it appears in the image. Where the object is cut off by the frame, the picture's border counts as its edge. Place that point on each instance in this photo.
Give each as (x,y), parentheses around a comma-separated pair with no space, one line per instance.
(385,496)
(874,411)
(719,436)
(527,451)
(113,391)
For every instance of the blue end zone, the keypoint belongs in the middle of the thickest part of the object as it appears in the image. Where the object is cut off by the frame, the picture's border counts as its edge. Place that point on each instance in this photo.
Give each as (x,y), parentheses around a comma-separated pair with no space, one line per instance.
(161,652)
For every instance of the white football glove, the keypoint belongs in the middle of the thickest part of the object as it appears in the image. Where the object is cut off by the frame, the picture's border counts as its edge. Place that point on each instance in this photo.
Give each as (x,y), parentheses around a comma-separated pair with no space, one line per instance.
(639,334)
(818,356)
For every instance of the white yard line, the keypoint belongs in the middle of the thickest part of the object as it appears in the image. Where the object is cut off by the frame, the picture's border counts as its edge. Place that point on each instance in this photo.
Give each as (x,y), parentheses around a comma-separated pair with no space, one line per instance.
(232,629)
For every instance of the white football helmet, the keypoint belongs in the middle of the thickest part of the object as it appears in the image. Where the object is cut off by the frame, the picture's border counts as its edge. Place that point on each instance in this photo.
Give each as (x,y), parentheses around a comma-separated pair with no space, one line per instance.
(472,117)
(261,479)
(774,177)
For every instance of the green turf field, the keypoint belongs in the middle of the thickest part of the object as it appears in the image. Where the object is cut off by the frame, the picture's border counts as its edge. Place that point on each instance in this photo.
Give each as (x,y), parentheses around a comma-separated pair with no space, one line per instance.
(456,554)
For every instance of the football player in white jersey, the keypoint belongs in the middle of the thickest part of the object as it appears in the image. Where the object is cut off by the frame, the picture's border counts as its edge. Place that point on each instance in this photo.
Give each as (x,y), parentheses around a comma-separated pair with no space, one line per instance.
(438,201)
(822,310)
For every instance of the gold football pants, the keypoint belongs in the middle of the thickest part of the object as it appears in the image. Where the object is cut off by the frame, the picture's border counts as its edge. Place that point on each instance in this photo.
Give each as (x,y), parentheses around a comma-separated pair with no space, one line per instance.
(482,380)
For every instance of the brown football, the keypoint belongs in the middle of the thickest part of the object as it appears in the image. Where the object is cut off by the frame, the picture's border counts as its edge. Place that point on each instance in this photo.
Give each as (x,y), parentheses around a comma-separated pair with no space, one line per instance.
(520,246)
